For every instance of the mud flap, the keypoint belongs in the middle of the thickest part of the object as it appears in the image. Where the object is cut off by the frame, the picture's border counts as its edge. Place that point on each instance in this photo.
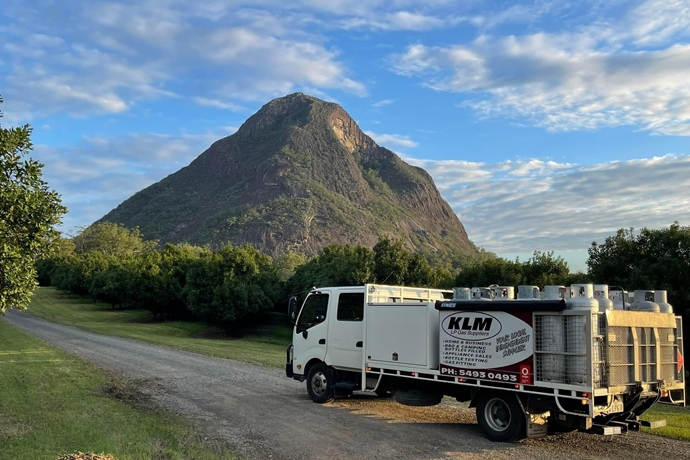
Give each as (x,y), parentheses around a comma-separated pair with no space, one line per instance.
(537,425)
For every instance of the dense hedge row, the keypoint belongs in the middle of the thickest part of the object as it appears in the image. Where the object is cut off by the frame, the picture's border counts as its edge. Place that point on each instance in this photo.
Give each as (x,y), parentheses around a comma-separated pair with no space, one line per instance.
(229,285)
(178,281)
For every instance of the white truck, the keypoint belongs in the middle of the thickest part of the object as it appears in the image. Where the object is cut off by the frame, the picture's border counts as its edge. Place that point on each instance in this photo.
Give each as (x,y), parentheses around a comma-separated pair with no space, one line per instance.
(529,367)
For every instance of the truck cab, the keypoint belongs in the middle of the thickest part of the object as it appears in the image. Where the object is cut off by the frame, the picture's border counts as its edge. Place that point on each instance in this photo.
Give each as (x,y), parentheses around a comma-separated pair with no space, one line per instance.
(328,339)
(328,329)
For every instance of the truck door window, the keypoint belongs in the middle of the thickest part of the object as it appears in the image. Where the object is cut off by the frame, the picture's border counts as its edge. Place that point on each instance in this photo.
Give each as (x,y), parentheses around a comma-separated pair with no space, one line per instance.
(351,306)
(313,312)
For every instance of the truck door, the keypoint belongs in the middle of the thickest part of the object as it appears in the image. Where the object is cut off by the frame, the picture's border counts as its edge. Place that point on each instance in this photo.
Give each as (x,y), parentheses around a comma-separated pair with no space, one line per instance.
(347,332)
(311,331)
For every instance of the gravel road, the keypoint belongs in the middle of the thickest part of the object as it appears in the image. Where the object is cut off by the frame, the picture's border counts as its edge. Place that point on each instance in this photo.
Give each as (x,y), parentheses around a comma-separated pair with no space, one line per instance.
(260,413)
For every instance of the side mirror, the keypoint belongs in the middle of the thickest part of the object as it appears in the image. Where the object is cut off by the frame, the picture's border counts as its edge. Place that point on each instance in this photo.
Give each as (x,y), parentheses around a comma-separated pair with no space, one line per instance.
(292,309)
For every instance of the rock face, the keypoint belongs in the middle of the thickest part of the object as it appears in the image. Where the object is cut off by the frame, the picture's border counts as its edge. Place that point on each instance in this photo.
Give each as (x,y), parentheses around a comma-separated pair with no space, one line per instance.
(297,176)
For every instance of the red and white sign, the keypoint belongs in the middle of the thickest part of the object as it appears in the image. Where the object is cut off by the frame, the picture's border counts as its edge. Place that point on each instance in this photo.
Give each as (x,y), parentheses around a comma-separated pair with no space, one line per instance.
(496,346)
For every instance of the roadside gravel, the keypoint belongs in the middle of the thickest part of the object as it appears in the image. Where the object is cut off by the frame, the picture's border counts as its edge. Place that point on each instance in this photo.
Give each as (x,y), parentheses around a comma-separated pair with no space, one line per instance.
(259,413)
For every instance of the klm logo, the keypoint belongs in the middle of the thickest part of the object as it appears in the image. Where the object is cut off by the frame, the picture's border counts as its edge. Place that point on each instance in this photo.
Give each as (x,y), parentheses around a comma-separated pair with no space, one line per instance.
(471,325)
(465,324)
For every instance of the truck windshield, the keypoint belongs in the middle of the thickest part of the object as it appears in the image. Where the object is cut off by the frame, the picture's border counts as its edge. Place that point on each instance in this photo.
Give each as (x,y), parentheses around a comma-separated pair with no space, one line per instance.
(313,312)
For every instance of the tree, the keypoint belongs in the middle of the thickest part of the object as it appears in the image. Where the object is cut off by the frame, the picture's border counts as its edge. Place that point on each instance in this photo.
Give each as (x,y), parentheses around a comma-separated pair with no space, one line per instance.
(230,285)
(491,271)
(337,265)
(391,261)
(112,240)
(63,248)
(286,265)
(543,269)
(648,259)
(29,212)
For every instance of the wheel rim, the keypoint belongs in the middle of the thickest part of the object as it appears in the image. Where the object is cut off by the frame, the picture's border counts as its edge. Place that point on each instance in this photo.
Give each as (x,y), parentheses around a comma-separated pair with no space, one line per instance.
(497,414)
(319,383)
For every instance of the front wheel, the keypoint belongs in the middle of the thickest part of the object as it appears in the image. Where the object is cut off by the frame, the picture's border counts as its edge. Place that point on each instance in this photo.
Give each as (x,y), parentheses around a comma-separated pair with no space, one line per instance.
(320,384)
(500,417)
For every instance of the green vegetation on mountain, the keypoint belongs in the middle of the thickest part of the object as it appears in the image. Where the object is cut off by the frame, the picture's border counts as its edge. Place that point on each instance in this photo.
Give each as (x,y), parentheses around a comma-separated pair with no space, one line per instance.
(298,176)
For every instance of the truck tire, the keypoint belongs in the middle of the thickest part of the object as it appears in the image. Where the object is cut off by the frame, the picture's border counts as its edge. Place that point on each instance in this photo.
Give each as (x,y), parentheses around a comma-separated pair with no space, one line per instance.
(320,383)
(500,416)
(418,398)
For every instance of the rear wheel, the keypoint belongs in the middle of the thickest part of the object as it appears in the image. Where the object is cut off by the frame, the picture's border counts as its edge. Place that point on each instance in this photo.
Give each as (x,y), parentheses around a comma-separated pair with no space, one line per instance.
(319,383)
(500,416)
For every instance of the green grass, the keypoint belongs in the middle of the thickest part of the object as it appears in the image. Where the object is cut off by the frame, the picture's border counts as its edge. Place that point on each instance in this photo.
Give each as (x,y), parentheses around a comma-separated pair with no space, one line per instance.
(677,420)
(52,404)
(266,348)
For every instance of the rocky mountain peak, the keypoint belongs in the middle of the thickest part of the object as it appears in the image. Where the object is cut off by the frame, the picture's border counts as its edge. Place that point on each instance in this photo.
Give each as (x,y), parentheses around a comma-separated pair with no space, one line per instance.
(273,116)
(300,110)
(348,133)
(297,176)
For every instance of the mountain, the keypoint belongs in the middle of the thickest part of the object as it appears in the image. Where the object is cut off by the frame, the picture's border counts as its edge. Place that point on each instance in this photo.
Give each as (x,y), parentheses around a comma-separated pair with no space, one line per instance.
(297,176)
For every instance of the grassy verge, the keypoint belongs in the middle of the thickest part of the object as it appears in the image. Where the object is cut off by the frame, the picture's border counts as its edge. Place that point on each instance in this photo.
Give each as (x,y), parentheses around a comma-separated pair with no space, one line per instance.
(677,420)
(266,348)
(52,404)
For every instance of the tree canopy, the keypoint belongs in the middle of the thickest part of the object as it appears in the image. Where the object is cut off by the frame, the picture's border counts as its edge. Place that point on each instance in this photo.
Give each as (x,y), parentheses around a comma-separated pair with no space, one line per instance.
(29,212)
(647,259)
(112,240)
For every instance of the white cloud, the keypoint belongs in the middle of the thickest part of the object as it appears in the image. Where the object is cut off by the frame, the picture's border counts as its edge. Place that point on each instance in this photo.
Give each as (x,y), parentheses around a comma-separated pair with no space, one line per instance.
(521,13)
(657,21)
(526,205)
(99,173)
(403,20)
(275,65)
(594,76)
(118,53)
(122,52)
(383,103)
(397,140)
(218,104)
(78,80)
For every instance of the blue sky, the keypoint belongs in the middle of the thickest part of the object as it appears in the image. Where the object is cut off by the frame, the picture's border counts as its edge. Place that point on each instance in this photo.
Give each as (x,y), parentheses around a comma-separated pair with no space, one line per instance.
(545,124)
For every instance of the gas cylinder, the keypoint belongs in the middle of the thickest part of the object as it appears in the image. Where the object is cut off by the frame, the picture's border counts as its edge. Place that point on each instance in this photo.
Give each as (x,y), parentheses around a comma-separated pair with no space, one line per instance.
(577,341)
(462,293)
(660,299)
(553,339)
(503,292)
(619,299)
(601,294)
(554,293)
(644,301)
(482,293)
(528,293)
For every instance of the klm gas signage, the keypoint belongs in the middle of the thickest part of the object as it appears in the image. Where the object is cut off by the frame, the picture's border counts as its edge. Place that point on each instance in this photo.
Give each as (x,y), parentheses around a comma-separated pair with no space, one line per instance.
(471,326)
